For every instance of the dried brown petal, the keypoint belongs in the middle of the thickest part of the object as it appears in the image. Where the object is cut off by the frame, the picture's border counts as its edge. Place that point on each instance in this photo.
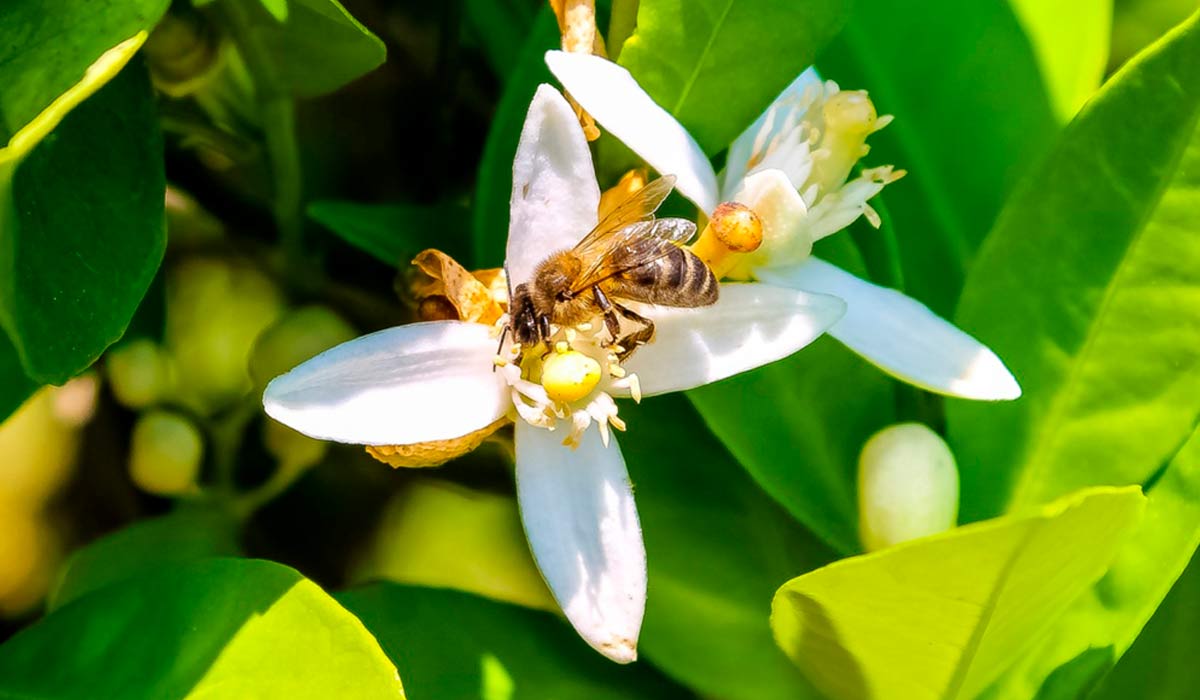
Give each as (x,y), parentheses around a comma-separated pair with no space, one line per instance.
(445,290)
(435,453)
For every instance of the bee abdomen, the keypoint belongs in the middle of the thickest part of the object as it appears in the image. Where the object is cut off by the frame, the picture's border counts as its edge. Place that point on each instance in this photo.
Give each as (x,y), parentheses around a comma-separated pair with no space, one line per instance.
(676,279)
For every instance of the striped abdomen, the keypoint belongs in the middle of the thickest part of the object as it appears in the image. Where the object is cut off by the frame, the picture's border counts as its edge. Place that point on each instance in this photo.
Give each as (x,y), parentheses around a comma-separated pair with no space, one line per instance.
(677,279)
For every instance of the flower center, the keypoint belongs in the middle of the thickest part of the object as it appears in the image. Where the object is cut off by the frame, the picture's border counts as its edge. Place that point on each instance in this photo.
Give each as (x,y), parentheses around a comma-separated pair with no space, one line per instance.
(572,383)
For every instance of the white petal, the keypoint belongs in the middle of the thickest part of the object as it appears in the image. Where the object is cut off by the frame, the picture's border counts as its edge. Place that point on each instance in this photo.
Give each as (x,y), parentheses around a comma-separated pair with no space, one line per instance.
(784,217)
(555,195)
(403,385)
(579,515)
(902,336)
(610,94)
(751,325)
(782,113)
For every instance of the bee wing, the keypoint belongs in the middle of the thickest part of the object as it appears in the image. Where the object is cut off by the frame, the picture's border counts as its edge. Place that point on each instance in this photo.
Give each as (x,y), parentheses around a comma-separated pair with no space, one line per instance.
(629,247)
(639,206)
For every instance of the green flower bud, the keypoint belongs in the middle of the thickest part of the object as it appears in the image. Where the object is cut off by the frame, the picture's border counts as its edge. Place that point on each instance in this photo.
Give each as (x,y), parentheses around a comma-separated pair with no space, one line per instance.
(216,309)
(138,373)
(293,450)
(296,337)
(165,454)
(907,486)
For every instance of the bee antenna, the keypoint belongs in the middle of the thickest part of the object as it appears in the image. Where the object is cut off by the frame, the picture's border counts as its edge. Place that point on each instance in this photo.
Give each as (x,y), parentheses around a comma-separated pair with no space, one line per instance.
(503,335)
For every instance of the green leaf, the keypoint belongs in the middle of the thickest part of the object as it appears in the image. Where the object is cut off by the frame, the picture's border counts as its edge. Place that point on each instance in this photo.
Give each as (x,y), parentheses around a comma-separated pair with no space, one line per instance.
(716,549)
(188,534)
(1110,615)
(494,182)
(315,48)
(394,233)
(15,386)
(1089,288)
(450,645)
(500,26)
(215,628)
(941,617)
(82,229)
(1161,664)
(56,53)
(801,447)
(972,111)
(702,60)
(1070,42)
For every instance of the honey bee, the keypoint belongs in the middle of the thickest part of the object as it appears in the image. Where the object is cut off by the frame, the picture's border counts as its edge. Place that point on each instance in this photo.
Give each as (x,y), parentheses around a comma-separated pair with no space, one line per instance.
(628,256)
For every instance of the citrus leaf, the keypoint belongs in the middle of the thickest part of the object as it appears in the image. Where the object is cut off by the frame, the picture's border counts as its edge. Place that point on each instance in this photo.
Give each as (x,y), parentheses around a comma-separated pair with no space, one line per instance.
(941,617)
(214,628)
(1089,288)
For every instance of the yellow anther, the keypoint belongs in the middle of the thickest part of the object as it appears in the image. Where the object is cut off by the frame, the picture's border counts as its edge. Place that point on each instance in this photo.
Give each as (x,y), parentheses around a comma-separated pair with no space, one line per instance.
(616,370)
(733,229)
(570,376)
(561,347)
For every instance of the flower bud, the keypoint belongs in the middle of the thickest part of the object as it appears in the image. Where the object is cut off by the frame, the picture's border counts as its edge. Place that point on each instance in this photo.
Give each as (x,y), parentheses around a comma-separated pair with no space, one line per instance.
(907,486)
(165,454)
(570,376)
(216,309)
(292,449)
(138,373)
(294,338)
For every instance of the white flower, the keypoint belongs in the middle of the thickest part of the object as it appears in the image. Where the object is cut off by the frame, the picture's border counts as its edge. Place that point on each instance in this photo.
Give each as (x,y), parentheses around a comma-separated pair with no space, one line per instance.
(790,166)
(442,380)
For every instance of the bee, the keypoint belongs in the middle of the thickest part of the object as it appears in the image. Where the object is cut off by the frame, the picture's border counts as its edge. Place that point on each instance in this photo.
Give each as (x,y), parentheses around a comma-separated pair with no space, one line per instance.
(628,256)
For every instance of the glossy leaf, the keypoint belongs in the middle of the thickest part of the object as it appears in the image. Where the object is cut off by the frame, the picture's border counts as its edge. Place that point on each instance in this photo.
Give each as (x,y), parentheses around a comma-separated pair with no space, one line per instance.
(1089,288)
(941,617)
(186,535)
(702,60)
(56,53)
(15,386)
(716,549)
(82,229)
(801,447)
(394,233)
(215,628)
(1070,42)
(1161,664)
(494,182)
(315,48)
(972,112)
(451,645)
(1111,614)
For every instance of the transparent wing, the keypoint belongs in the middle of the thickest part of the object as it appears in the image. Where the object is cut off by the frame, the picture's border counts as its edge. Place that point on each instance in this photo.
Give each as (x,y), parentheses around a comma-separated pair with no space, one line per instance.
(639,206)
(634,245)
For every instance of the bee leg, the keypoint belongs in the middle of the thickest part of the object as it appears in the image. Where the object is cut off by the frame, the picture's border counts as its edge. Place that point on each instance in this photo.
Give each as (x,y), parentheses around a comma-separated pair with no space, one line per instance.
(641,336)
(611,322)
(544,329)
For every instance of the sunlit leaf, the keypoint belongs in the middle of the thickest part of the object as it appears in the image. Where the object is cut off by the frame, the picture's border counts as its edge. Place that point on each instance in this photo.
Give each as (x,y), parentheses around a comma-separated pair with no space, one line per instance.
(1070,41)
(146,546)
(972,112)
(1089,288)
(1110,615)
(941,617)
(82,229)
(215,628)
(716,549)
(702,60)
(451,645)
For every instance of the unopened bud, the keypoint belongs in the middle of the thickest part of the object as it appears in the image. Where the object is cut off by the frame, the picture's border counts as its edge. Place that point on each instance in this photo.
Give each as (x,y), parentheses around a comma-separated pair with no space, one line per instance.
(165,454)
(907,486)
(292,449)
(138,373)
(569,375)
(297,336)
(733,229)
